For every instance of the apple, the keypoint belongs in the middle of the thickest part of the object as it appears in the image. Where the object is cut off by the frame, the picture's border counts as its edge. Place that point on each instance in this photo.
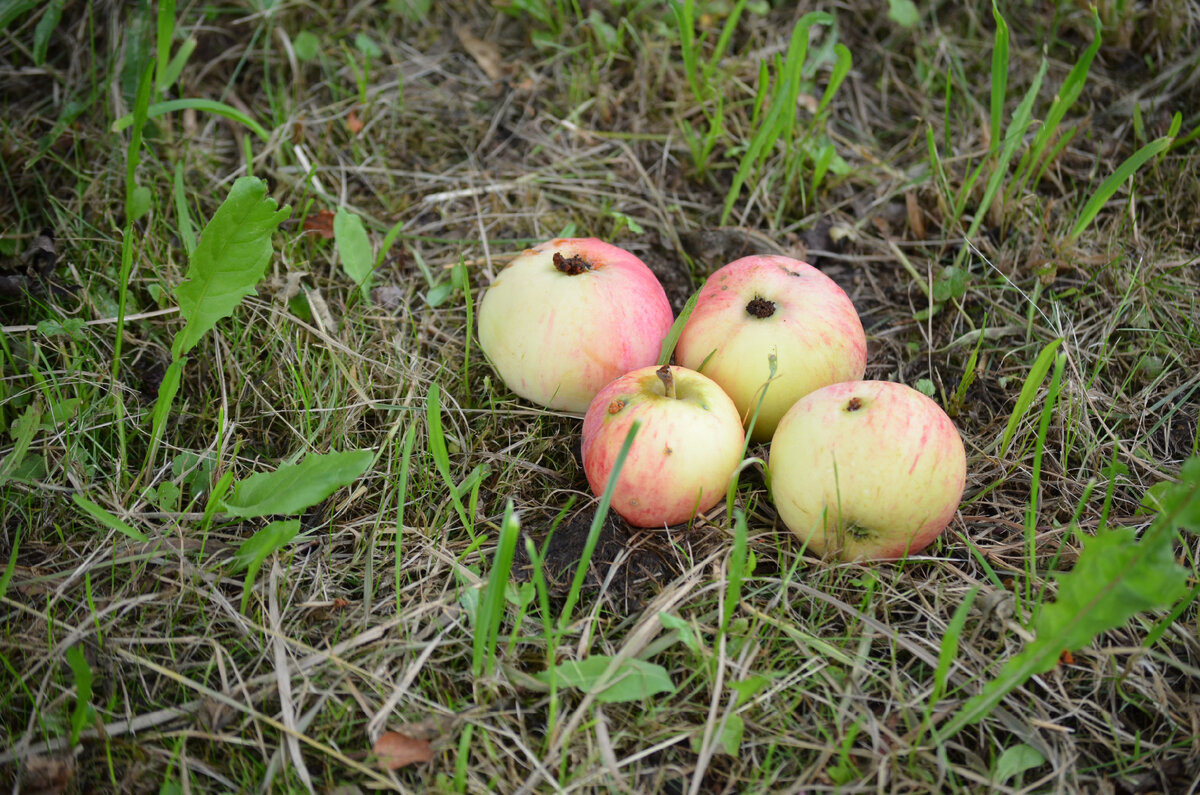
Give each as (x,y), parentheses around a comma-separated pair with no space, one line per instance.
(866,470)
(567,317)
(759,305)
(688,445)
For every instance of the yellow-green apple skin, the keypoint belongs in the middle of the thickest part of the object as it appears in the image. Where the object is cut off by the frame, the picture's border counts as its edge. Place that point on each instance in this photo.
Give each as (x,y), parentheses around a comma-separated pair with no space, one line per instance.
(568,316)
(759,305)
(683,455)
(867,470)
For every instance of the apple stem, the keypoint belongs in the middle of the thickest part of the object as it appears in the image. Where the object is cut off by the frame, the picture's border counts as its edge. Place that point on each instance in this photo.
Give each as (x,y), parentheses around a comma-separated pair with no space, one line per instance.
(664,375)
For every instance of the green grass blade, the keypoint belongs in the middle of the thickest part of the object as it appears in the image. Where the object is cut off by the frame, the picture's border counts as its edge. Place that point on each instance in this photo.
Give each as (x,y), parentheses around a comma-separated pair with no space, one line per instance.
(81,672)
(1029,389)
(438,450)
(1118,178)
(208,105)
(492,605)
(999,78)
(594,531)
(672,338)
(107,519)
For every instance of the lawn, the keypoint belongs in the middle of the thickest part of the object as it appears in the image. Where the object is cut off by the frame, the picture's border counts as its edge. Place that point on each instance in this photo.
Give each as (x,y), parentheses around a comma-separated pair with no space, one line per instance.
(271,521)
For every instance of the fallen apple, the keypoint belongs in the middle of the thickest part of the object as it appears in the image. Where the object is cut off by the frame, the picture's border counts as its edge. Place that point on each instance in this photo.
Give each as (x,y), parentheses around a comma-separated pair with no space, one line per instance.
(689,444)
(760,305)
(867,470)
(567,317)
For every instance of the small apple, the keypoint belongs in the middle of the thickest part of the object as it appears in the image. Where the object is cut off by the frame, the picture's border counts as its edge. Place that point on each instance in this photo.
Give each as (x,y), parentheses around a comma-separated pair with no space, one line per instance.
(760,305)
(567,317)
(867,469)
(689,443)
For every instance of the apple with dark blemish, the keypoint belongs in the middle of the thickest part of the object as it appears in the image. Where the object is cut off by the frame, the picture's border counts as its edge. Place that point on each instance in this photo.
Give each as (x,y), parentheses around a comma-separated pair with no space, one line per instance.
(759,305)
(568,316)
(867,470)
(687,447)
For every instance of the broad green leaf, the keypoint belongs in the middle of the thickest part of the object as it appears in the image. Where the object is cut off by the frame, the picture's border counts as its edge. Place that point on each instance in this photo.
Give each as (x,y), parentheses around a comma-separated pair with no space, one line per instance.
(229,260)
(107,519)
(22,431)
(748,688)
(1015,761)
(293,488)
(682,629)
(632,680)
(354,248)
(255,549)
(367,46)
(45,27)
(306,45)
(903,12)
(139,202)
(731,735)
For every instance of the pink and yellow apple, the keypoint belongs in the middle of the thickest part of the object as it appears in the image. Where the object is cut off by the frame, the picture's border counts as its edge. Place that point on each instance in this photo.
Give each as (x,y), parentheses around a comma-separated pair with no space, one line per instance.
(867,470)
(568,316)
(759,305)
(688,445)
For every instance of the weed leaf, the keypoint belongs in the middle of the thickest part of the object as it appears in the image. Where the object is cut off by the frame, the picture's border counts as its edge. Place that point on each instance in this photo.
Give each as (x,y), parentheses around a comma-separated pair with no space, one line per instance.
(228,261)
(1015,761)
(1117,576)
(354,248)
(672,338)
(22,431)
(632,680)
(255,549)
(293,488)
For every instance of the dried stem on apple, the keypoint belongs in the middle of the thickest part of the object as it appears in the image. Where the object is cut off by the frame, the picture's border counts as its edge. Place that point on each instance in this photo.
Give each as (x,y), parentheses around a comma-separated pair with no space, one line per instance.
(572,265)
(760,307)
(664,375)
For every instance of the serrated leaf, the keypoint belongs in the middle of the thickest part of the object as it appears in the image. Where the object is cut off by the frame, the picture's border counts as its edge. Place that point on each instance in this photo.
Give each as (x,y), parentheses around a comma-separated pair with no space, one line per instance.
(229,260)
(292,488)
(632,680)
(354,248)
(1116,577)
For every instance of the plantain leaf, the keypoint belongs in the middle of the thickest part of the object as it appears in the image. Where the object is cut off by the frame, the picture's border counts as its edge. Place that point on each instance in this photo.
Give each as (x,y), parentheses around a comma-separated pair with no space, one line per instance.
(228,261)
(633,679)
(292,488)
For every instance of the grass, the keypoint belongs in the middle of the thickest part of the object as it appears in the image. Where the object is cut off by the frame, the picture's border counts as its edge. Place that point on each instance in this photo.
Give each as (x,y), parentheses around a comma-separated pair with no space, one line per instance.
(1011,207)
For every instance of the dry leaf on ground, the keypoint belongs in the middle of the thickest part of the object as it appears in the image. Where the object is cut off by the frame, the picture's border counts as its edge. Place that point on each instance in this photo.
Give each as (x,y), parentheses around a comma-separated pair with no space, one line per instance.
(394,750)
(485,53)
(320,224)
(353,123)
